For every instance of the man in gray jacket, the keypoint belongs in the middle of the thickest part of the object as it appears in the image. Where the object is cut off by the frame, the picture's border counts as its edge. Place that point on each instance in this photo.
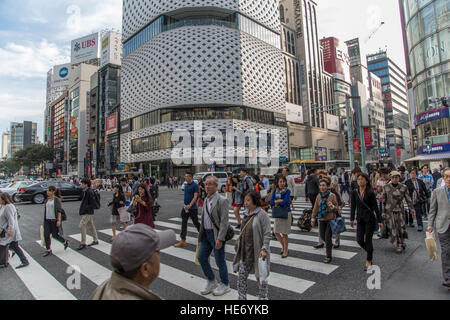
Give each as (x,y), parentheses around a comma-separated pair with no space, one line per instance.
(440,217)
(213,229)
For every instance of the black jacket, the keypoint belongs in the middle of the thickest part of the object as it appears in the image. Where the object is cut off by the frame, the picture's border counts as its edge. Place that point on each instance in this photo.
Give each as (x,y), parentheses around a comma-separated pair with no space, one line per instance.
(424,194)
(116,204)
(312,186)
(346,181)
(370,199)
(88,202)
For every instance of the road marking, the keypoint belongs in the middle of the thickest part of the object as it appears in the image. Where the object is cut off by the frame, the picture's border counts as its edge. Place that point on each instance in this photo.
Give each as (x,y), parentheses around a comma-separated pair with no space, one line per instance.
(41,284)
(89,268)
(298,263)
(174,276)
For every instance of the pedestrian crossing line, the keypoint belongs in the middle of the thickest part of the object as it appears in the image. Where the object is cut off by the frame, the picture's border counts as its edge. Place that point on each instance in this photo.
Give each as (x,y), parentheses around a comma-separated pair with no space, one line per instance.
(292,236)
(281,281)
(308,265)
(347,255)
(40,283)
(95,272)
(167,273)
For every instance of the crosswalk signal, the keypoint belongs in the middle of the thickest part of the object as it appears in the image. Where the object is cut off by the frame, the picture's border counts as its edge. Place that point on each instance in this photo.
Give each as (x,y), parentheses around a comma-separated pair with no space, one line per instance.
(428,144)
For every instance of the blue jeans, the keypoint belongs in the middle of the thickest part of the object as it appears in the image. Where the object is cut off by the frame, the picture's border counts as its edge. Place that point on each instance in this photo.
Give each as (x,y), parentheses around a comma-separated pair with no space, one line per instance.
(207,246)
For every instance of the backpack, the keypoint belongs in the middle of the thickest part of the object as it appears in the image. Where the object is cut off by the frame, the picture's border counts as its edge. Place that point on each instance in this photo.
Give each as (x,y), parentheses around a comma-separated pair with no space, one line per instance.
(304,222)
(97,204)
(246,186)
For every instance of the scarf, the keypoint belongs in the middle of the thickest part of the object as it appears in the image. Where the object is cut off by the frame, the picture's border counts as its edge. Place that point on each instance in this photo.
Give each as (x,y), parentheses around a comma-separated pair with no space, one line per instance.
(323,208)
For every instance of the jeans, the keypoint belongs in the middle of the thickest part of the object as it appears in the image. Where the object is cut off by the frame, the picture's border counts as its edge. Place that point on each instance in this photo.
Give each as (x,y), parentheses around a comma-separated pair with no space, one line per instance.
(326,234)
(364,235)
(50,228)
(343,188)
(14,246)
(207,246)
(193,214)
(419,213)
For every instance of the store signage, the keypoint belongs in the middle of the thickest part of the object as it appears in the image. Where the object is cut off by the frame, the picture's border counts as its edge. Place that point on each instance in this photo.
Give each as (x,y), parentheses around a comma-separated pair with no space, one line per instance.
(321,154)
(368,137)
(298,18)
(111,124)
(435,149)
(332,122)
(355,145)
(399,152)
(86,48)
(294,113)
(125,126)
(432,115)
(60,75)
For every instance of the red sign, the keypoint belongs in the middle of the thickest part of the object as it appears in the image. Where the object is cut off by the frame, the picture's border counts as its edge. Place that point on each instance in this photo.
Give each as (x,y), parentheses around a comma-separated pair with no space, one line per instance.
(111,124)
(356,145)
(335,58)
(399,152)
(368,137)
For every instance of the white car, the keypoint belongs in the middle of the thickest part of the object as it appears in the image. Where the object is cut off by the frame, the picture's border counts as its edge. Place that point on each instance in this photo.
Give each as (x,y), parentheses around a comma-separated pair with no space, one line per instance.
(221,176)
(13,189)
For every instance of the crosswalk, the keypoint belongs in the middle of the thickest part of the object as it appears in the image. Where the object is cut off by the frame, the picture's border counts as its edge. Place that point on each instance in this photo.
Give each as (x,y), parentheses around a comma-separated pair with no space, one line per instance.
(290,277)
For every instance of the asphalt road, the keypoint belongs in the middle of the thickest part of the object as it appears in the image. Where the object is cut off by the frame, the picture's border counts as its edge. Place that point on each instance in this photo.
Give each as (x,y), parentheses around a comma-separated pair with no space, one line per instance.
(302,276)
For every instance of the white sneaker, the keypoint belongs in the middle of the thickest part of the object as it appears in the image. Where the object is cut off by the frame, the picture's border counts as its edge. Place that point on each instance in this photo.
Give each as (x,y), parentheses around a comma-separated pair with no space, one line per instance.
(221,290)
(210,287)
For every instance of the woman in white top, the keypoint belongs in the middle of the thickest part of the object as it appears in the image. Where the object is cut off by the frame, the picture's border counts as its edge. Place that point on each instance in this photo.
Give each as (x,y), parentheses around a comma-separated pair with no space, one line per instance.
(53,219)
(10,225)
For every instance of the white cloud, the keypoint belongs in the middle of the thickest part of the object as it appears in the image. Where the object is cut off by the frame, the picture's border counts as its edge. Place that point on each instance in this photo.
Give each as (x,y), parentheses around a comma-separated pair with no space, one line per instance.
(32,60)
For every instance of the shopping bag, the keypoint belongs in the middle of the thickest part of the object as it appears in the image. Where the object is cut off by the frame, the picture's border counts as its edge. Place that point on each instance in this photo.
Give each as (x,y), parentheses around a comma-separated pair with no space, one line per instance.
(263,270)
(42,236)
(430,241)
(196,255)
(124,214)
(263,194)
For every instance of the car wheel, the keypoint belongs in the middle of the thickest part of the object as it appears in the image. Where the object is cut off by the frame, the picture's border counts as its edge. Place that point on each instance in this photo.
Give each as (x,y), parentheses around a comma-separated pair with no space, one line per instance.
(39,199)
(16,198)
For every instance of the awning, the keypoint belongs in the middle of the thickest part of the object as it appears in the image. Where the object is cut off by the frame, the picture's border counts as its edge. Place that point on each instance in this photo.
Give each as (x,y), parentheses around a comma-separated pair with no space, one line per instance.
(430,157)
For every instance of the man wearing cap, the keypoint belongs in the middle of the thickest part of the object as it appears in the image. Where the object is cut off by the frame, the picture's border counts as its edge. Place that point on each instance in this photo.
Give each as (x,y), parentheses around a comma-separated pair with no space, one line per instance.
(135,261)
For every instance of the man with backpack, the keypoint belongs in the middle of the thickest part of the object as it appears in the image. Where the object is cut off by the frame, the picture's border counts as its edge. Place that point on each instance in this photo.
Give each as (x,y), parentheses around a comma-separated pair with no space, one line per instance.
(247,182)
(90,202)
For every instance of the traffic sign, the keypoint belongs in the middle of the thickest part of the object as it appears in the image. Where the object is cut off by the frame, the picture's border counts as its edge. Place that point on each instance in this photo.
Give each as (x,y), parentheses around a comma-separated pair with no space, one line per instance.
(122,165)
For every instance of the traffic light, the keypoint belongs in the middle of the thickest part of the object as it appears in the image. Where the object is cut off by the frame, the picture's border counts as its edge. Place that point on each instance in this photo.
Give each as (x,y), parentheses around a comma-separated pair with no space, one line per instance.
(444,102)
(428,144)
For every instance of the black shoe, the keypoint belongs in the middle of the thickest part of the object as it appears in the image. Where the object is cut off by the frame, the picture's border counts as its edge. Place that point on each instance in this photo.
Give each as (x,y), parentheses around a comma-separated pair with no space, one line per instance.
(95,243)
(319,246)
(23,265)
(66,245)
(47,253)
(3,266)
(446,283)
(238,226)
(81,247)
(336,246)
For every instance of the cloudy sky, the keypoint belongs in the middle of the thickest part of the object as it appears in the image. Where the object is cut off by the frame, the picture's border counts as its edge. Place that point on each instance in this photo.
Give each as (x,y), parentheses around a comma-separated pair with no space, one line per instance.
(36,34)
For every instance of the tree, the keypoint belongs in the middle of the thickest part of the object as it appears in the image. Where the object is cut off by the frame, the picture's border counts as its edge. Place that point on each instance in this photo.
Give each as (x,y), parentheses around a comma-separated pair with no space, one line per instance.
(9,167)
(33,155)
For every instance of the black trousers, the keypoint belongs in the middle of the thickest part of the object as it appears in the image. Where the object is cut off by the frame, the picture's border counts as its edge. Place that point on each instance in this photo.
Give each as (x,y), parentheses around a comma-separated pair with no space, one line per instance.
(193,214)
(50,228)
(3,255)
(364,235)
(14,246)
(312,198)
(326,234)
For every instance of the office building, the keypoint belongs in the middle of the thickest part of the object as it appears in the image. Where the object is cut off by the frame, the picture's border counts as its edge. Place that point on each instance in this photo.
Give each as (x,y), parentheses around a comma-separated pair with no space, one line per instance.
(22,135)
(5,144)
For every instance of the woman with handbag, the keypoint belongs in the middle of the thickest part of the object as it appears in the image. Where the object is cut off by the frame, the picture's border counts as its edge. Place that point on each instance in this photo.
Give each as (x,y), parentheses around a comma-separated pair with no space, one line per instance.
(10,232)
(117,202)
(237,189)
(334,188)
(364,203)
(281,209)
(252,245)
(53,219)
(325,210)
(144,203)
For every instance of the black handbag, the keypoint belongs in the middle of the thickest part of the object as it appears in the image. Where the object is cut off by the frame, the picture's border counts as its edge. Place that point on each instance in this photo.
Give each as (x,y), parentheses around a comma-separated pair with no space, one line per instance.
(3,234)
(280,212)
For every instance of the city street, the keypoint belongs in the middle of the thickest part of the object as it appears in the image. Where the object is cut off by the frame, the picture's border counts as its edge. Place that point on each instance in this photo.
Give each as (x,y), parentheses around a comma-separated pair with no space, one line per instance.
(302,276)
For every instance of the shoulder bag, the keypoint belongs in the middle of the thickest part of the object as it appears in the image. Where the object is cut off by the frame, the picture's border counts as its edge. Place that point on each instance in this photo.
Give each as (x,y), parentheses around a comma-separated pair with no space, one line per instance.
(230,230)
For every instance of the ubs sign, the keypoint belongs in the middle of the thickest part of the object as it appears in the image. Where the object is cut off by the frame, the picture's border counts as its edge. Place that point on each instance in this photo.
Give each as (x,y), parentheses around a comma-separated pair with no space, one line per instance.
(86,48)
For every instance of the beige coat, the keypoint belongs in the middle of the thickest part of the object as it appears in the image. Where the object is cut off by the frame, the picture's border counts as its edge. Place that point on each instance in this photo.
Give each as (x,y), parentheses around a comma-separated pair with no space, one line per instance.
(331,213)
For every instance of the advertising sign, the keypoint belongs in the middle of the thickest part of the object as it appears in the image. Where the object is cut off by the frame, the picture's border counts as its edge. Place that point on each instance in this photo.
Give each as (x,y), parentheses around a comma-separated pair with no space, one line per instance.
(342,87)
(399,152)
(435,148)
(294,113)
(111,50)
(111,124)
(61,75)
(355,145)
(86,48)
(432,115)
(368,137)
(336,59)
(321,154)
(332,122)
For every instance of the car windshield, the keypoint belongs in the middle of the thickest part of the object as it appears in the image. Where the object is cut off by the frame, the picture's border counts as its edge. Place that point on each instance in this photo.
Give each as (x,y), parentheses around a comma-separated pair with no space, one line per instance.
(198,176)
(5,185)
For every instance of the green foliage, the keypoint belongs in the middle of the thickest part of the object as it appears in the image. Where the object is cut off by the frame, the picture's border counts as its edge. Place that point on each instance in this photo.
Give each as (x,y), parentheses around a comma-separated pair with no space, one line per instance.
(9,167)
(33,155)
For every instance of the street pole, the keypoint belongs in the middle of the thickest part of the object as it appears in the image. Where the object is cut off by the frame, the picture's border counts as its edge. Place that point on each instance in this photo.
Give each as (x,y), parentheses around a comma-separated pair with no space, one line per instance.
(361,136)
(351,156)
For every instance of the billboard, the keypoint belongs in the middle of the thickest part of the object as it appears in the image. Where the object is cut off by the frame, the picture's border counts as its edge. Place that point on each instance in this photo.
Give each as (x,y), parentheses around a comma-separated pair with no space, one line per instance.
(86,48)
(111,124)
(60,75)
(294,113)
(332,122)
(111,50)
(368,137)
(336,59)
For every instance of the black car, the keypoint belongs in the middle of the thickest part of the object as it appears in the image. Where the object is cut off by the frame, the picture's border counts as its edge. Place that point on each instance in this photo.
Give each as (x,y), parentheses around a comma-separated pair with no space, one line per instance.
(37,193)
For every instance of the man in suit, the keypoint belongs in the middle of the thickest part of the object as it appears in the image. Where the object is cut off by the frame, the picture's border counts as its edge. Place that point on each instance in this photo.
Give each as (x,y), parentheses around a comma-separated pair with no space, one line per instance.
(439,218)
(344,182)
(419,195)
(213,229)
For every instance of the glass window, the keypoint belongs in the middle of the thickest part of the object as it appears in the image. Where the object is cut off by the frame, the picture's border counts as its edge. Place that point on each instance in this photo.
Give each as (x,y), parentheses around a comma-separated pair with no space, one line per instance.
(412,7)
(416,29)
(434,88)
(421,3)
(442,13)
(428,19)
(418,57)
(444,37)
(431,51)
